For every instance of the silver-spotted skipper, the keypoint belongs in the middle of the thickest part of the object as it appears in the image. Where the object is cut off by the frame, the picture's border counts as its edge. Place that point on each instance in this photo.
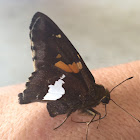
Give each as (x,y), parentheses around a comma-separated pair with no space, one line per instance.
(61,77)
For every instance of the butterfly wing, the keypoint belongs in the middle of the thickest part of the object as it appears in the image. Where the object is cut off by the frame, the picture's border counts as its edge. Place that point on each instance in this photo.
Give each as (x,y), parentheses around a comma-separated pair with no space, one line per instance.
(60,73)
(51,47)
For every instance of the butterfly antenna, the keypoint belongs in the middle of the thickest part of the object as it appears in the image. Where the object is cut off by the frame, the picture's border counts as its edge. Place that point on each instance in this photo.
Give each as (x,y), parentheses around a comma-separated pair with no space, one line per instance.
(119,105)
(125,110)
(121,83)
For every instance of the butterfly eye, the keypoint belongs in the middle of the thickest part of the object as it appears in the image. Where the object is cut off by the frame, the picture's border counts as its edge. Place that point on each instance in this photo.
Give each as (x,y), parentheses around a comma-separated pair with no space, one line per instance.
(106,99)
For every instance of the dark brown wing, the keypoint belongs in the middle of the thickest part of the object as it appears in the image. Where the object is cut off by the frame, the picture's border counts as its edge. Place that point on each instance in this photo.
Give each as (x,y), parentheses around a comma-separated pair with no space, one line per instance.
(51,47)
(53,57)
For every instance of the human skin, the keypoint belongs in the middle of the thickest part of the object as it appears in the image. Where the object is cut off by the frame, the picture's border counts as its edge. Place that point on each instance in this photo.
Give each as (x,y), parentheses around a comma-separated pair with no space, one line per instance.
(32,121)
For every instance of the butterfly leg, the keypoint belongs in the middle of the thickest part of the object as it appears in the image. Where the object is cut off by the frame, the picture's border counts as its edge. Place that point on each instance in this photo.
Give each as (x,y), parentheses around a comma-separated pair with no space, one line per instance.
(88,123)
(103,116)
(93,119)
(64,120)
(92,112)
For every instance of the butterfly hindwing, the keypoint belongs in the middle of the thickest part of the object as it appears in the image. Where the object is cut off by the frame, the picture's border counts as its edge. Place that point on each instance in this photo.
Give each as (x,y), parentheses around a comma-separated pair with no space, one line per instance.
(37,89)
(37,86)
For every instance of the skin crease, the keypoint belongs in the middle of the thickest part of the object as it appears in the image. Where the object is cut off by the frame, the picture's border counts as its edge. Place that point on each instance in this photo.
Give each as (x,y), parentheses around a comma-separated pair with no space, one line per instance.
(32,121)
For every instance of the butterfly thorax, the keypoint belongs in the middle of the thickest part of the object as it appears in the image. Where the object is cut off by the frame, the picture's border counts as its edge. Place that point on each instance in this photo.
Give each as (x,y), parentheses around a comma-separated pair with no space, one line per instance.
(97,94)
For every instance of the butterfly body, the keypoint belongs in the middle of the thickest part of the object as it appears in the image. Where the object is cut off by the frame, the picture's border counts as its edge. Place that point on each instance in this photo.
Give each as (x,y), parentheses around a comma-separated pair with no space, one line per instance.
(61,77)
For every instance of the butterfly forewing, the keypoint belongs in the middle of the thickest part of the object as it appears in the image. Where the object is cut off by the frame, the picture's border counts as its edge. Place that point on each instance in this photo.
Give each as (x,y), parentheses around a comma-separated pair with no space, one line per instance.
(52,47)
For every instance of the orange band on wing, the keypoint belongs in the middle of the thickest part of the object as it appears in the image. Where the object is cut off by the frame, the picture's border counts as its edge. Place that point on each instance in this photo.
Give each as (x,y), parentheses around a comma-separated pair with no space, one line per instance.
(74,67)
(58,56)
(63,66)
(79,64)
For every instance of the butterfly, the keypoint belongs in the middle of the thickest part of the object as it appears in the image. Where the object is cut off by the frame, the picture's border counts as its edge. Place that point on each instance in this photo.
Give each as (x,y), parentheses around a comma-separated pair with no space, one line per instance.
(60,77)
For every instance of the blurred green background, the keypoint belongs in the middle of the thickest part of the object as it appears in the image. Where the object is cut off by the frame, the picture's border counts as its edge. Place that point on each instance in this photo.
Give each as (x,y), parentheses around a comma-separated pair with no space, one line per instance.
(105,33)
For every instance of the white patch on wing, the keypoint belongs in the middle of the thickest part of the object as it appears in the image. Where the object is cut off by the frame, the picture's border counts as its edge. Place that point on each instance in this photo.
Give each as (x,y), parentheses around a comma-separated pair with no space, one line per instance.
(55,91)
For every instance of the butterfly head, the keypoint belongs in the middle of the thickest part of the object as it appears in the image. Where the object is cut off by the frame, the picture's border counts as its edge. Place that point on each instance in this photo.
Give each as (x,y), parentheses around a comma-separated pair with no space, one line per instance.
(106,98)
